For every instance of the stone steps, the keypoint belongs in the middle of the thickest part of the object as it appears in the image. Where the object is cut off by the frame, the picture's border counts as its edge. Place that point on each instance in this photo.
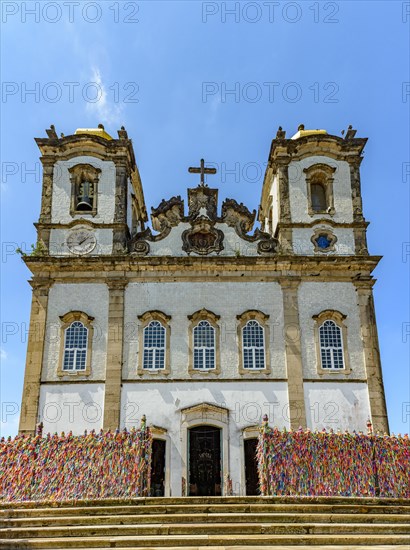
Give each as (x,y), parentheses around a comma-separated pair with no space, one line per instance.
(217,523)
(169,518)
(208,528)
(221,541)
(144,509)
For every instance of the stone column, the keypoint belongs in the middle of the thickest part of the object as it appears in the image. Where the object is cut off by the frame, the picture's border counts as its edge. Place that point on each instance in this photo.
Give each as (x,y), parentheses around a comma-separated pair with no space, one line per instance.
(113,369)
(371,355)
(297,412)
(34,360)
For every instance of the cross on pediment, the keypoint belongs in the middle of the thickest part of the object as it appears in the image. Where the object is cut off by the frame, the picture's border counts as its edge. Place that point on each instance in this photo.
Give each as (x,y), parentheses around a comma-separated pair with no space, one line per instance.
(202,170)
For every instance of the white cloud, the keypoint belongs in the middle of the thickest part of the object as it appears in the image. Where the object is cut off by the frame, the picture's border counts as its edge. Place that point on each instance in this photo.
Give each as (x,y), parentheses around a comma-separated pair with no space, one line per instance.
(214,105)
(107,109)
(3,354)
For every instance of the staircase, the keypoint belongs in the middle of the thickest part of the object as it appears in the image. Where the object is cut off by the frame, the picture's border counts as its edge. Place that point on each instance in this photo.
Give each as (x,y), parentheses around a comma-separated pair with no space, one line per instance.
(218,523)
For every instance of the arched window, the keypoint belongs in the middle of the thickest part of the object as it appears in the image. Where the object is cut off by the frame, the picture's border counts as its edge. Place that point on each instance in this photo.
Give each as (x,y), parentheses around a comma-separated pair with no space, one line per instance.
(318,197)
(203,342)
(253,343)
(76,337)
(84,189)
(319,180)
(204,346)
(75,347)
(154,346)
(331,345)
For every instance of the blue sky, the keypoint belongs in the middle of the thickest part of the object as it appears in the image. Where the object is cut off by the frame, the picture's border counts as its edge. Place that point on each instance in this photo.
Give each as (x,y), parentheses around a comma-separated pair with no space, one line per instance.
(162,69)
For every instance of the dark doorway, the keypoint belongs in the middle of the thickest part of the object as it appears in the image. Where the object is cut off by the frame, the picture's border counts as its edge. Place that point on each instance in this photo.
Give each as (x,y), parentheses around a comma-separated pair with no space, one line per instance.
(205,461)
(158,468)
(251,467)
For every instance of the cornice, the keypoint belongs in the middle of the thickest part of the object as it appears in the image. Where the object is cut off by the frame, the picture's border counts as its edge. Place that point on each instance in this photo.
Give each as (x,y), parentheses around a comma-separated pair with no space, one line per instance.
(69,270)
(81,221)
(322,221)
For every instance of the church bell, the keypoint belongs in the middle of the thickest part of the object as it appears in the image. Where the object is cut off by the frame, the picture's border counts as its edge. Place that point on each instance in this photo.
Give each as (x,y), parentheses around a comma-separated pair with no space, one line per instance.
(84,199)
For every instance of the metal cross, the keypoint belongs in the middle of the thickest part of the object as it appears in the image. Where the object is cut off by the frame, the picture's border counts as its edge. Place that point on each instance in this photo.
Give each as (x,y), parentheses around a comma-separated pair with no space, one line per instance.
(202,170)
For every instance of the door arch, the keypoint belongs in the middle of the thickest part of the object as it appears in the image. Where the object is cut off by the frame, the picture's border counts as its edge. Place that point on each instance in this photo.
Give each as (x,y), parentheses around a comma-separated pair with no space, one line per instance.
(199,415)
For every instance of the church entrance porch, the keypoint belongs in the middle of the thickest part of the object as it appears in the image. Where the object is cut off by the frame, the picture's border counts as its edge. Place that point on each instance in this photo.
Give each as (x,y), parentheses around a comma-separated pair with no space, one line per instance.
(204,461)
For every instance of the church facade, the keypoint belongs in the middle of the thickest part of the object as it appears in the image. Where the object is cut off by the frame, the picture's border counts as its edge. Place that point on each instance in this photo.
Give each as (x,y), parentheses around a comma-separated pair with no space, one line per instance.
(203,323)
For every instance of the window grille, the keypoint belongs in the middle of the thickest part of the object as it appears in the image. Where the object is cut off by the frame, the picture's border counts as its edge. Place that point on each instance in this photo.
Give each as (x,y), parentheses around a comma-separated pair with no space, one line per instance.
(253,346)
(154,346)
(75,347)
(204,346)
(331,347)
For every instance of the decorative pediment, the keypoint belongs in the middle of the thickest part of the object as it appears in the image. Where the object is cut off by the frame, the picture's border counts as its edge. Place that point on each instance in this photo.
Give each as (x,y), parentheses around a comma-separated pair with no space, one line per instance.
(202,238)
(205,413)
(158,431)
(205,409)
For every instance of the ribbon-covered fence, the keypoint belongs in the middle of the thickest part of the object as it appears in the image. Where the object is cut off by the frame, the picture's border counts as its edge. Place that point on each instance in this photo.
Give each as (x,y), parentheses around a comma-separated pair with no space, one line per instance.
(330,464)
(66,467)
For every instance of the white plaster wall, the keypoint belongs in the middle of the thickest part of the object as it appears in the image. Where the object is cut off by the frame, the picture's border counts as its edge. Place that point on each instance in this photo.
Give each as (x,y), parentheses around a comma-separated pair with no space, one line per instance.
(58,246)
(182,299)
(75,407)
(232,243)
(316,297)
(92,299)
(341,190)
(303,245)
(61,198)
(337,406)
(246,401)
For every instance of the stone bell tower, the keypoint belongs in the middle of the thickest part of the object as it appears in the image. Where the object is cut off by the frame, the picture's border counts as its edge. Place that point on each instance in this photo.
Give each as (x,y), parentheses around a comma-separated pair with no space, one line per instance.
(311,198)
(92,203)
(92,198)
(312,203)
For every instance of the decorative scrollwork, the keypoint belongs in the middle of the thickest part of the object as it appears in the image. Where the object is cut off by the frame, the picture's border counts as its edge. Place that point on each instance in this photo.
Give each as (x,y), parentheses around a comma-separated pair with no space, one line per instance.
(267,246)
(140,248)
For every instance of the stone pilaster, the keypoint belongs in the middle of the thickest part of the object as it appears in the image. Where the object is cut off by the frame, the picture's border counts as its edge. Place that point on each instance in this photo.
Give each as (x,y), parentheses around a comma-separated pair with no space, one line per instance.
(34,360)
(356,189)
(293,350)
(371,354)
(285,233)
(47,191)
(120,212)
(46,203)
(113,369)
(357,205)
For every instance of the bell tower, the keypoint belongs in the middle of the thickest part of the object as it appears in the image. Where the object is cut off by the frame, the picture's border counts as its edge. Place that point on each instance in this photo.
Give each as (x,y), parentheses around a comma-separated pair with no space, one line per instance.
(311,197)
(92,198)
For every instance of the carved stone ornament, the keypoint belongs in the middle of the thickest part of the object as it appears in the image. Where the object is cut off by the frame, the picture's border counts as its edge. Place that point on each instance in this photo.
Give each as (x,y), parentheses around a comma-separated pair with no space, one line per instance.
(323,240)
(237,216)
(140,248)
(168,214)
(202,201)
(267,246)
(202,238)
